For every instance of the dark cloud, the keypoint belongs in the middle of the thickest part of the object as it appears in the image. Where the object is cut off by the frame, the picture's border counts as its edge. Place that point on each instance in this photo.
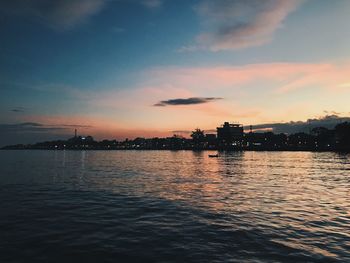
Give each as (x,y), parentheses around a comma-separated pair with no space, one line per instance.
(37,127)
(60,14)
(64,14)
(188,101)
(27,124)
(32,132)
(18,109)
(27,127)
(328,121)
(75,126)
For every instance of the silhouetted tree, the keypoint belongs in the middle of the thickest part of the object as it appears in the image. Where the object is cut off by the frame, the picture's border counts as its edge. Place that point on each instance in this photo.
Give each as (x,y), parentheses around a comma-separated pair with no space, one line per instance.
(342,133)
(197,137)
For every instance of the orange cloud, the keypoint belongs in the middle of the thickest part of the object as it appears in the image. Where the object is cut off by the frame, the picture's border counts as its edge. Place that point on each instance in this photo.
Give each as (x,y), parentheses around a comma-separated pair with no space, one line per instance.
(235,84)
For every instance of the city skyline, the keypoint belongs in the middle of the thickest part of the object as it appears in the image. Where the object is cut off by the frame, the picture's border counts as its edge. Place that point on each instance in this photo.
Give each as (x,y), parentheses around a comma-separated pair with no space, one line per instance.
(119,68)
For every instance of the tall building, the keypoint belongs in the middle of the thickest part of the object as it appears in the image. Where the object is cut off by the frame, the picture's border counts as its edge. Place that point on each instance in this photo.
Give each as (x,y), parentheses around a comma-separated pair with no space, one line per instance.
(230,135)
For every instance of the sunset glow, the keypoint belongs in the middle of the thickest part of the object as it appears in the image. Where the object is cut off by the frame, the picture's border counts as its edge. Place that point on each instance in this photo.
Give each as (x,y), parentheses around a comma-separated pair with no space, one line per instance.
(87,65)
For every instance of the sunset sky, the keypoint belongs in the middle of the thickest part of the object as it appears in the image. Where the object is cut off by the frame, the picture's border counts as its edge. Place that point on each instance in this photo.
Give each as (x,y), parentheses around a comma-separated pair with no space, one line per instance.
(126,68)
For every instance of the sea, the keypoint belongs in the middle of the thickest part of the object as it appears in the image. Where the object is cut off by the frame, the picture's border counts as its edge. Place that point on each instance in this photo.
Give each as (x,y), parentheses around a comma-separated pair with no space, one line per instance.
(174,206)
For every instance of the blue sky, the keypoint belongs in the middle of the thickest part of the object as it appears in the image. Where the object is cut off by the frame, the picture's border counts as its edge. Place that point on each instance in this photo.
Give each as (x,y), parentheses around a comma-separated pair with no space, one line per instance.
(104,64)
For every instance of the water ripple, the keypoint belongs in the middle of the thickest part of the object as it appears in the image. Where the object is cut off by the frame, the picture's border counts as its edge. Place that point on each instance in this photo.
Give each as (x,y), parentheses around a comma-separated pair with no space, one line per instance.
(160,206)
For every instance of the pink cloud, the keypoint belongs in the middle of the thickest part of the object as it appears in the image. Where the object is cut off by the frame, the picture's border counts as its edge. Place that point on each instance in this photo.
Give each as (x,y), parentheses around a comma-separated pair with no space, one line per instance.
(330,77)
(251,94)
(286,77)
(237,85)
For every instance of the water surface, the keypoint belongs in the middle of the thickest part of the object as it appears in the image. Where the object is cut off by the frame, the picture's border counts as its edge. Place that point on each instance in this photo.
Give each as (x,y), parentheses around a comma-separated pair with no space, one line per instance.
(180,206)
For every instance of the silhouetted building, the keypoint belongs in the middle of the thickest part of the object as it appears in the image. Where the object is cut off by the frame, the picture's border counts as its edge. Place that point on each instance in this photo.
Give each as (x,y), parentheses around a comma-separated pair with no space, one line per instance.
(266,141)
(230,135)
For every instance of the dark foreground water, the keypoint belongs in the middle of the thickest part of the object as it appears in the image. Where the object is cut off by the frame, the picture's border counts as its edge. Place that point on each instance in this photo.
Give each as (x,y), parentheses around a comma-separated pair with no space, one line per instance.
(162,206)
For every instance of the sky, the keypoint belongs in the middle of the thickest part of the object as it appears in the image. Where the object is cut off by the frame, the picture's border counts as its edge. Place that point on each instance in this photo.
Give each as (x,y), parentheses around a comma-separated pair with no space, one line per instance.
(128,68)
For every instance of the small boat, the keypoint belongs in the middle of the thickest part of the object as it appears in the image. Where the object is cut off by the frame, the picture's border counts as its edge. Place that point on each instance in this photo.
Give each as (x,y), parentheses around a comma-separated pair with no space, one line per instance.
(213,155)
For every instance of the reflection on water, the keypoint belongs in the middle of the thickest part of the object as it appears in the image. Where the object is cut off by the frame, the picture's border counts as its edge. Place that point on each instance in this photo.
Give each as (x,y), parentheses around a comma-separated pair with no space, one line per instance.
(174,206)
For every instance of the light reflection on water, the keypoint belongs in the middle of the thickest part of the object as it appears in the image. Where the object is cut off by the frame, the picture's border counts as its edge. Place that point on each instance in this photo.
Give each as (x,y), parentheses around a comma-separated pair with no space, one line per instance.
(258,206)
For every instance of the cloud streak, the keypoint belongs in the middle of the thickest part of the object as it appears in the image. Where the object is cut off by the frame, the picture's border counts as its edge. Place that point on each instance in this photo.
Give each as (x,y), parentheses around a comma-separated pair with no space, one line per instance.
(152,4)
(27,127)
(61,15)
(18,109)
(65,15)
(188,101)
(37,127)
(237,24)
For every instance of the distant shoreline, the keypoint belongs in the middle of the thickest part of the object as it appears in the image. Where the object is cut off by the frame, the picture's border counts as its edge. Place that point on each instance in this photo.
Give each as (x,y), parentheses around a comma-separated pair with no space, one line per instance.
(187,150)
(229,137)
